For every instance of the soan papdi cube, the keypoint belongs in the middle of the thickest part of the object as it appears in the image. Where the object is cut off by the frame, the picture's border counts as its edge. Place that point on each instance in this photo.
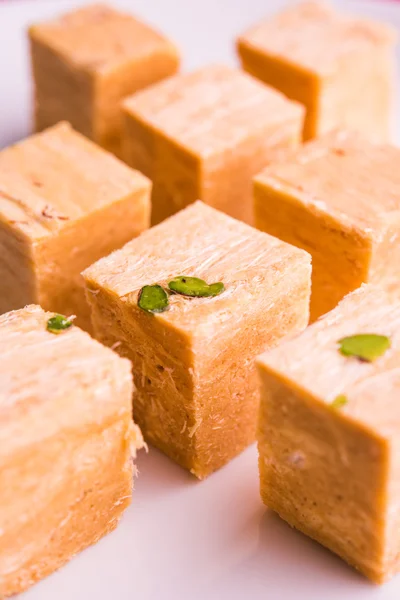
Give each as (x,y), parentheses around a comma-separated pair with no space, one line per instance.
(197,391)
(338,198)
(204,135)
(340,67)
(64,203)
(86,61)
(67,444)
(329,431)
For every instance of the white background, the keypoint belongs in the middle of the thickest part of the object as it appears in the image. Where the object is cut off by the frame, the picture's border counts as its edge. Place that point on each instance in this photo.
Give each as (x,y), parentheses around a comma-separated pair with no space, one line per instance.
(182,539)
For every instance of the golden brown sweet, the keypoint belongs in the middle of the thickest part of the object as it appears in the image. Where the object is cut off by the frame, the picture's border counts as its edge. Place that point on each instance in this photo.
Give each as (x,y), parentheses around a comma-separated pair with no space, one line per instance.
(86,61)
(329,434)
(67,444)
(205,135)
(64,203)
(338,198)
(340,67)
(197,391)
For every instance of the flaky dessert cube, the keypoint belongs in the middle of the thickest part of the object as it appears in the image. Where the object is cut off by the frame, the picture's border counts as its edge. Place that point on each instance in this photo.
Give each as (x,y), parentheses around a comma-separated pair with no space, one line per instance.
(329,439)
(342,68)
(85,62)
(67,444)
(64,203)
(196,387)
(204,135)
(338,198)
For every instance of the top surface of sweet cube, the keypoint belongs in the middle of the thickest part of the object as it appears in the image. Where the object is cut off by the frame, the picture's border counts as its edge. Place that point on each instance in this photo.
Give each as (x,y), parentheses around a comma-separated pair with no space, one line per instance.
(212,109)
(98,38)
(57,176)
(342,175)
(312,361)
(42,372)
(314,36)
(202,242)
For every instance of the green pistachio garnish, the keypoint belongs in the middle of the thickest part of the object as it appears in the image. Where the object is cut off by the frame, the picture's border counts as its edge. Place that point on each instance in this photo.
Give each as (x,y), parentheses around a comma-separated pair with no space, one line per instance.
(364,346)
(58,324)
(153,299)
(195,287)
(339,401)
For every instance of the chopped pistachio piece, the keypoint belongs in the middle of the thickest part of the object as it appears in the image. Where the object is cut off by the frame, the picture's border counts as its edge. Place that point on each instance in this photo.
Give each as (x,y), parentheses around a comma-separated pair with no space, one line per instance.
(58,323)
(195,287)
(339,401)
(153,299)
(365,346)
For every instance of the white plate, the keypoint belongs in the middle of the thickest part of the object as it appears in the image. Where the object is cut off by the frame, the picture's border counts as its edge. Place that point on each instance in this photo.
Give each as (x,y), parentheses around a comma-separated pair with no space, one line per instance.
(181,539)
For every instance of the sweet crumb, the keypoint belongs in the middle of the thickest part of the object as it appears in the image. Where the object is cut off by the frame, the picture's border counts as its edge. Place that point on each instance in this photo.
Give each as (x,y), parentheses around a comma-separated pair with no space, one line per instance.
(297,459)
(47,214)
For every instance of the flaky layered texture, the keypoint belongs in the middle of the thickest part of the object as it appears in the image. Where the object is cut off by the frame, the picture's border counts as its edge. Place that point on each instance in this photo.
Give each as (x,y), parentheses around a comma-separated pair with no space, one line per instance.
(337,198)
(342,68)
(87,61)
(334,473)
(196,386)
(67,444)
(205,135)
(64,203)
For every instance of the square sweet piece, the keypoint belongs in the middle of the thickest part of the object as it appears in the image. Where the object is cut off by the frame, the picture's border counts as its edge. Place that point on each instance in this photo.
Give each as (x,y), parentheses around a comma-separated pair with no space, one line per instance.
(64,203)
(329,433)
(342,68)
(86,61)
(338,198)
(67,444)
(205,135)
(197,392)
